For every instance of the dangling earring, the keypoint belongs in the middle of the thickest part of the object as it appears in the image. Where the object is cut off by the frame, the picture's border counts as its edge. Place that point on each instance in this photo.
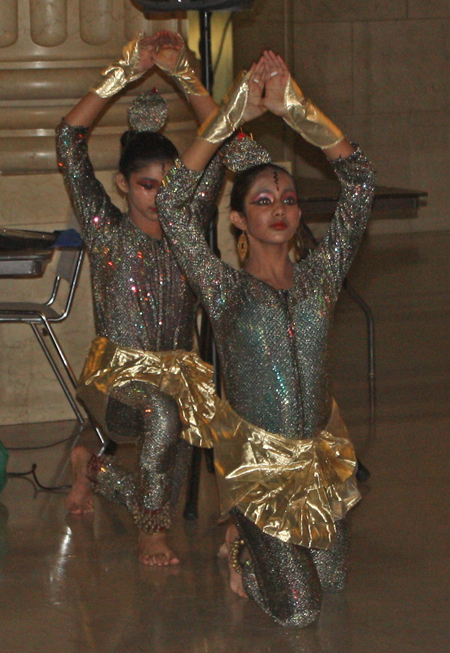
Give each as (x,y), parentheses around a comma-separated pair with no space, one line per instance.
(242,247)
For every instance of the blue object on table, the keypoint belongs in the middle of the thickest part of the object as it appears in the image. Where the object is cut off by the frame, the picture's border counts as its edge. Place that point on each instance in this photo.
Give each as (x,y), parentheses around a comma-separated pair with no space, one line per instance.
(68,238)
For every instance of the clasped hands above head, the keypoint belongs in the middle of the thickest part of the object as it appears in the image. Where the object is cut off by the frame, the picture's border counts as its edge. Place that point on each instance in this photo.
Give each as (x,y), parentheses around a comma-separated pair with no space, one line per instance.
(267,79)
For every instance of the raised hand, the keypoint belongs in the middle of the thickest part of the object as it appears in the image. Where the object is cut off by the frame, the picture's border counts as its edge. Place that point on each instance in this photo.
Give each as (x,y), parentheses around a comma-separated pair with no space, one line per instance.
(147,51)
(168,47)
(255,106)
(276,78)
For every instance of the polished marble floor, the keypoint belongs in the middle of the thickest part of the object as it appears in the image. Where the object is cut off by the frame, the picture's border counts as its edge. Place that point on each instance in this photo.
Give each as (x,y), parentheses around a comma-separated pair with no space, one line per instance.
(73,585)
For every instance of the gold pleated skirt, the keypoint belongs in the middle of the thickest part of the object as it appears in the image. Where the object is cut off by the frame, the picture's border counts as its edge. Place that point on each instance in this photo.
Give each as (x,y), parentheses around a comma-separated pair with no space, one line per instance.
(294,490)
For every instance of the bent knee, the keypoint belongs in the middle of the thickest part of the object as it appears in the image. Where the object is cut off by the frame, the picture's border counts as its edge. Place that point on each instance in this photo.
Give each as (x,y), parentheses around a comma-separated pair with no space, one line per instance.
(299,618)
(298,609)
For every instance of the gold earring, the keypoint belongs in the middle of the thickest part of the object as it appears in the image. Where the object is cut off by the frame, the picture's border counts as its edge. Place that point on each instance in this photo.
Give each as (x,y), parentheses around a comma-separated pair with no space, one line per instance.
(242,247)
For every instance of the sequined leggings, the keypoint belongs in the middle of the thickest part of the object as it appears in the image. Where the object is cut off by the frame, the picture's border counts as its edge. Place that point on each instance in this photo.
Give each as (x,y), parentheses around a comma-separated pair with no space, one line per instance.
(139,412)
(287,580)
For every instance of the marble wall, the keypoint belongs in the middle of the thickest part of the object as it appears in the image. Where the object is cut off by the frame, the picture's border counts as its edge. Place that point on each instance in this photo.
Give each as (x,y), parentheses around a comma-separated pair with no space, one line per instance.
(380,69)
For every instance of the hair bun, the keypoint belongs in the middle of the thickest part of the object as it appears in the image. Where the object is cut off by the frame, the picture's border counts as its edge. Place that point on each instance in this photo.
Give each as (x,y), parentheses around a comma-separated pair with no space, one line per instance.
(148,112)
(126,138)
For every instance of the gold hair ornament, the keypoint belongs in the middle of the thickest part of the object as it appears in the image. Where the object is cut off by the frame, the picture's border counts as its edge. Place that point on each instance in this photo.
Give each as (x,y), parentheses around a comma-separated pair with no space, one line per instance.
(120,73)
(303,116)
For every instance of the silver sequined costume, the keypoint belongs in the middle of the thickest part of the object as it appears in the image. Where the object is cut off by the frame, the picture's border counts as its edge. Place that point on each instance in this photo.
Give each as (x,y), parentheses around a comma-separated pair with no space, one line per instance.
(141,301)
(274,350)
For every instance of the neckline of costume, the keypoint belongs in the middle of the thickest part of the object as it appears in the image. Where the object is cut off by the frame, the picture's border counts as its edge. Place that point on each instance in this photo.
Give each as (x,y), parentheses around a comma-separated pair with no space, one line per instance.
(285,291)
(141,234)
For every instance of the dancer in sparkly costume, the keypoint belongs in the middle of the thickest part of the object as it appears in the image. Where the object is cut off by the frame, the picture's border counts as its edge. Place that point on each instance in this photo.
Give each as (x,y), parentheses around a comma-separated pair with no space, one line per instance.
(144,309)
(284,463)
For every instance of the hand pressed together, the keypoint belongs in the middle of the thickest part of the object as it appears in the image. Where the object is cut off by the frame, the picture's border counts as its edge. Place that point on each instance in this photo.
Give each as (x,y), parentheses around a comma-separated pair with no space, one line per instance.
(276,78)
(161,49)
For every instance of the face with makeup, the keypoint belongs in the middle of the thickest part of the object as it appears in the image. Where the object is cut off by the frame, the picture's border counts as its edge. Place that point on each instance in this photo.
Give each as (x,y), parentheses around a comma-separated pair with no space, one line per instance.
(271,213)
(141,188)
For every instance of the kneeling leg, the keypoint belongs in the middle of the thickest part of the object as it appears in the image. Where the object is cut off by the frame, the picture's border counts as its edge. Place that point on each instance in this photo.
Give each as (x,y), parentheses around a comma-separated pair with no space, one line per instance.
(332,564)
(280,577)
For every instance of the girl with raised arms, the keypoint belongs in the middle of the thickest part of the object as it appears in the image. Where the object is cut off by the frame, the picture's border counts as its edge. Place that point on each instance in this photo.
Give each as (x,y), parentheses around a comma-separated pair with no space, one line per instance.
(143,307)
(284,463)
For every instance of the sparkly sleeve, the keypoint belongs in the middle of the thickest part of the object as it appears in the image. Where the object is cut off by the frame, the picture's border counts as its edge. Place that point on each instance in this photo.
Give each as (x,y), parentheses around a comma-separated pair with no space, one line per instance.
(237,154)
(206,193)
(91,203)
(334,256)
(211,279)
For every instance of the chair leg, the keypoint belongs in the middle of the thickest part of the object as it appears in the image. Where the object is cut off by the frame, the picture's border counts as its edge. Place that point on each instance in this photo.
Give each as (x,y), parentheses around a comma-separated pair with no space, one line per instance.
(57,372)
(59,351)
(209,457)
(362,473)
(191,506)
(371,344)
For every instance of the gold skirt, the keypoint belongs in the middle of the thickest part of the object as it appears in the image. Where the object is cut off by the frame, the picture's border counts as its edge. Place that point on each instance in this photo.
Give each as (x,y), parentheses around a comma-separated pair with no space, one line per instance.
(294,490)
(181,374)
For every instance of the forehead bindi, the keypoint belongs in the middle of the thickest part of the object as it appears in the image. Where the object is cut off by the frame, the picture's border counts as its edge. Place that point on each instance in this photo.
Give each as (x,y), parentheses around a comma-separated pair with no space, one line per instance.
(271,181)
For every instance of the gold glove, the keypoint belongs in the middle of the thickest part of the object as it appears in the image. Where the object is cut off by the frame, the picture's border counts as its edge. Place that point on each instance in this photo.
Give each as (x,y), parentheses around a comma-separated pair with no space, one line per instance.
(221,124)
(119,74)
(308,120)
(185,76)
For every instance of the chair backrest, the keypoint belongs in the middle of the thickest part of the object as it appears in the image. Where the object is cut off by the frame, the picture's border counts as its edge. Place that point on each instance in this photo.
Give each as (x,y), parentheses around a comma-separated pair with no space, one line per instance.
(67,263)
(68,268)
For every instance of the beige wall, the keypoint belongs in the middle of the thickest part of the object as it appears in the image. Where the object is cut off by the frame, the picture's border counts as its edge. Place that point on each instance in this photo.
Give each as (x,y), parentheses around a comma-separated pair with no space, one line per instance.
(380,69)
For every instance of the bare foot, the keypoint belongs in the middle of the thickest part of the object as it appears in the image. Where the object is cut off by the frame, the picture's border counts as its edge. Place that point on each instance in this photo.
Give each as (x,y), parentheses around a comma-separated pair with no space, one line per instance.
(154,551)
(79,500)
(235,577)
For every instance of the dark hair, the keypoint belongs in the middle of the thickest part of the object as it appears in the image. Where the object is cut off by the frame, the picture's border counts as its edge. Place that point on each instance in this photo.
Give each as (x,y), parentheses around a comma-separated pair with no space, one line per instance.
(244,180)
(141,148)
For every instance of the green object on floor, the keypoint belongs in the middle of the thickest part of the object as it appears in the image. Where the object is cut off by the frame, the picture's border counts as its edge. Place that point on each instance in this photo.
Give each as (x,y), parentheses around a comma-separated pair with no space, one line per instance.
(4,455)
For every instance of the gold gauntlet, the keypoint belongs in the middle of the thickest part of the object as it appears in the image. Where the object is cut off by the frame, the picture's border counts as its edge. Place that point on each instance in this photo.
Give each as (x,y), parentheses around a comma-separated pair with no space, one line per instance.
(185,75)
(221,124)
(119,74)
(303,116)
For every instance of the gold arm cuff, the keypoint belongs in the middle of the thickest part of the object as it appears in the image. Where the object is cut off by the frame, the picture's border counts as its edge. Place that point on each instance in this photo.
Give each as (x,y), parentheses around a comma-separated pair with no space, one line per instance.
(221,124)
(185,76)
(119,74)
(181,374)
(303,116)
(294,490)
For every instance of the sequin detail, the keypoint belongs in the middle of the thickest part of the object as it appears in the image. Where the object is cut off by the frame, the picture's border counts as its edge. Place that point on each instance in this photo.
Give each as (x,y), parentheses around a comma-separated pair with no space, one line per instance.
(277,341)
(286,580)
(142,301)
(148,112)
(151,521)
(274,347)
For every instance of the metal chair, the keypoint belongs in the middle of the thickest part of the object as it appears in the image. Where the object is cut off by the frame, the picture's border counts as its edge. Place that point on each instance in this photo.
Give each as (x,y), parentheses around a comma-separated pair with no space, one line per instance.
(41,317)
